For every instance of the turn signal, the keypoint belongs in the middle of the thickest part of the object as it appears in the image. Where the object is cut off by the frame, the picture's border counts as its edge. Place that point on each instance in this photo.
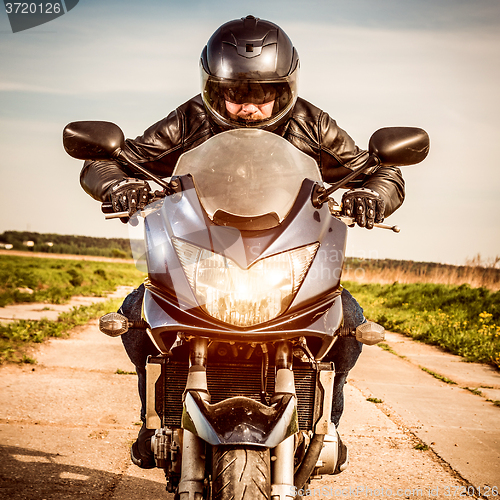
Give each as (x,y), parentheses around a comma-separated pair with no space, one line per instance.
(370,333)
(113,324)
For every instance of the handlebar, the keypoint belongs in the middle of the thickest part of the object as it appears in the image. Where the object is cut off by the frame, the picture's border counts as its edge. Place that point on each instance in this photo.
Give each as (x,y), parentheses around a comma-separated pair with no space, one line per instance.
(116,215)
(107,209)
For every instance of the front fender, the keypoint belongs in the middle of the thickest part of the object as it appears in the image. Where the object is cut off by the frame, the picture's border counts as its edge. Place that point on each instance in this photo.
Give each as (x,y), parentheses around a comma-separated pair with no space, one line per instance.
(240,420)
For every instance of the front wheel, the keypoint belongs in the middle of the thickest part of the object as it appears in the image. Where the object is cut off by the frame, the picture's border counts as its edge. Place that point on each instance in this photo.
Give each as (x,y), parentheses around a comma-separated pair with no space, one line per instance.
(241,473)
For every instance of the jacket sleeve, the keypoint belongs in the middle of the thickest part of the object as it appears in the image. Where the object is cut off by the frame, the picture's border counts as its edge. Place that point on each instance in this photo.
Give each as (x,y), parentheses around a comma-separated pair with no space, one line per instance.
(340,155)
(157,149)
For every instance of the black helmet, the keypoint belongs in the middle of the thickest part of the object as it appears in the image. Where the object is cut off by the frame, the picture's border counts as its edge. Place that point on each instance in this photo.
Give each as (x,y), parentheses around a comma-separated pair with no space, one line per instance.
(249,72)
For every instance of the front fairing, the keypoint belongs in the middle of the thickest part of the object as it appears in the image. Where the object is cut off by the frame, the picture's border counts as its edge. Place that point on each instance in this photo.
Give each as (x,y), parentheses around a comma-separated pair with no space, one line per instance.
(170,305)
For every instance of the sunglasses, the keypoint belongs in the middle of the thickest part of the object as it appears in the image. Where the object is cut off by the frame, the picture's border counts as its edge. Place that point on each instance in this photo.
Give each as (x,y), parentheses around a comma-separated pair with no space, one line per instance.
(250,93)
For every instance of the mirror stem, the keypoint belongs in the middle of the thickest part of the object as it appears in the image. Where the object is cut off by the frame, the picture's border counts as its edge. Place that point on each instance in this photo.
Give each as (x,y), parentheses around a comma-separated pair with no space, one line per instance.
(321,195)
(122,156)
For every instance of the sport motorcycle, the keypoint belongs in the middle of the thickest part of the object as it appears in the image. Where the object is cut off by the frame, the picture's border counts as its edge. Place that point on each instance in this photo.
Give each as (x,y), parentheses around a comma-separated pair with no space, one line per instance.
(244,248)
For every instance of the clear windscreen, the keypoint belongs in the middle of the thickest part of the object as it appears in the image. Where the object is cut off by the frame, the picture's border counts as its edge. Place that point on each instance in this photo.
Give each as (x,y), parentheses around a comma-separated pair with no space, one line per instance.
(247,173)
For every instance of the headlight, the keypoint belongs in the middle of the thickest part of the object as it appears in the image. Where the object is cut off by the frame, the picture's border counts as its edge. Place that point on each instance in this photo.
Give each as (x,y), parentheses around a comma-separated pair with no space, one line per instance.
(244,297)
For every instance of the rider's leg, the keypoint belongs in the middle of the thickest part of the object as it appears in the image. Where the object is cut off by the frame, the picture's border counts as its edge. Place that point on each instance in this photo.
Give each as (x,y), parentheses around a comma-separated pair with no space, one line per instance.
(139,346)
(344,354)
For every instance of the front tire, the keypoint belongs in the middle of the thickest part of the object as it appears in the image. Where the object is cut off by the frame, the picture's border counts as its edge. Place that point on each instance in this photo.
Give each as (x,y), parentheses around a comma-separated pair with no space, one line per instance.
(241,473)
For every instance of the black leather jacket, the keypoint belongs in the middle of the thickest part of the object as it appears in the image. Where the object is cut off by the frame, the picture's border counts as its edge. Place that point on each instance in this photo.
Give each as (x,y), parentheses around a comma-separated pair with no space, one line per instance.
(309,129)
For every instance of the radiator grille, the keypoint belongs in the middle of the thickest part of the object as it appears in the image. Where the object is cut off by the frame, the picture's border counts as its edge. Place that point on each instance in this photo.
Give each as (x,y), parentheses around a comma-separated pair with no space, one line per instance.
(230,380)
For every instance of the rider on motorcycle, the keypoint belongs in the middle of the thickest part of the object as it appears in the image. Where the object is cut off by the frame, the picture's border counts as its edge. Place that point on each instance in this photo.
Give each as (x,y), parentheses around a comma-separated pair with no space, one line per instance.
(249,75)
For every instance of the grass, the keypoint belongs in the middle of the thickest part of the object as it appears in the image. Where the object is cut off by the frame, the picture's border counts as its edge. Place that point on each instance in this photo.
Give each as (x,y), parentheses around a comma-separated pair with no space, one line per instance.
(28,360)
(388,348)
(16,337)
(476,272)
(55,281)
(421,447)
(374,400)
(461,319)
(444,379)
(119,371)
(477,392)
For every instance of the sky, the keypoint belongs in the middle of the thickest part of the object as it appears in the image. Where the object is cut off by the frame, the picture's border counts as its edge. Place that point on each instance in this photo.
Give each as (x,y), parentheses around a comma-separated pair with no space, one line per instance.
(432,64)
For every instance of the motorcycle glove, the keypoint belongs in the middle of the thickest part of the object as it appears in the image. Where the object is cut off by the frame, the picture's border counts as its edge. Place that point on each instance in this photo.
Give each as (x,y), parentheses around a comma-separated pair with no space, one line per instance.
(364,205)
(129,195)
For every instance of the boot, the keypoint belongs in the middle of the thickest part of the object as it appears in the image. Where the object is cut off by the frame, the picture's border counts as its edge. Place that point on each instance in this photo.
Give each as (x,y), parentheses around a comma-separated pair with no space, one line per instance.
(141,453)
(343,457)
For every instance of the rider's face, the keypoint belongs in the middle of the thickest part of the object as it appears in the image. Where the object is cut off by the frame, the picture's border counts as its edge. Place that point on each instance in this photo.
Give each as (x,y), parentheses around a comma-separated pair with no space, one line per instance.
(249,111)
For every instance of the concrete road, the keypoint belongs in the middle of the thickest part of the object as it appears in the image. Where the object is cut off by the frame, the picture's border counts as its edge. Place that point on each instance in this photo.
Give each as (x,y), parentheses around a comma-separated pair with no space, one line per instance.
(66,425)
(457,418)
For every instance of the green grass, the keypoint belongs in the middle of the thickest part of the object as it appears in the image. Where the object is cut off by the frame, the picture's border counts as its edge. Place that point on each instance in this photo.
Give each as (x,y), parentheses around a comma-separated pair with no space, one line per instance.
(421,447)
(477,392)
(119,371)
(55,281)
(444,379)
(460,319)
(374,400)
(17,336)
(388,348)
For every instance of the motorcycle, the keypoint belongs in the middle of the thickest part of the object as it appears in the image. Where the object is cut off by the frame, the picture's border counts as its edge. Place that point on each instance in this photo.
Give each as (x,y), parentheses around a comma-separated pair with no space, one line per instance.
(244,249)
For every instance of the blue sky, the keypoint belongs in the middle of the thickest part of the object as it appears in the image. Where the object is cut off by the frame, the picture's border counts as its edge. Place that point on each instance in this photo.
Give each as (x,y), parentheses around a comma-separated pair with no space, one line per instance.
(370,64)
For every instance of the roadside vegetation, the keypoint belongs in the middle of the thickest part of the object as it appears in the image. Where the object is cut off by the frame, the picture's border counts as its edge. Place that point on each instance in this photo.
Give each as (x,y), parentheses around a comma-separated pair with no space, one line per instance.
(461,319)
(477,272)
(18,336)
(55,281)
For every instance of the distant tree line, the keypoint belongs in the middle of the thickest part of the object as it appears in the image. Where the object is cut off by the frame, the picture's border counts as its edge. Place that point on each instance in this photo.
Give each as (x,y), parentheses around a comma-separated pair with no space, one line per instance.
(66,244)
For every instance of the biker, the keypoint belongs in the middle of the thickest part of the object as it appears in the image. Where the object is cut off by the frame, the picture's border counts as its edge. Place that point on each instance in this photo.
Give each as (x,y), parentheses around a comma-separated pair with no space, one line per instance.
(249,74)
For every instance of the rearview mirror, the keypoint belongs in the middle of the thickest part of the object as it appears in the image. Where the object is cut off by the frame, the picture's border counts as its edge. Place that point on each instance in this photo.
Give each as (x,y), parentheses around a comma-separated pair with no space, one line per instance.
(399,145)
(93,140)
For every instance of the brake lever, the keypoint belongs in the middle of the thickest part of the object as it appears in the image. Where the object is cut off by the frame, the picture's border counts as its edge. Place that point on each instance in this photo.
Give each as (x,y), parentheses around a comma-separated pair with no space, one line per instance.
(350,221)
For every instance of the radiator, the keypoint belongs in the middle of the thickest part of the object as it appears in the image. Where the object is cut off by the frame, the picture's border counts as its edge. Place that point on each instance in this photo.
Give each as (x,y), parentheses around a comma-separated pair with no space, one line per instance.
(227,380)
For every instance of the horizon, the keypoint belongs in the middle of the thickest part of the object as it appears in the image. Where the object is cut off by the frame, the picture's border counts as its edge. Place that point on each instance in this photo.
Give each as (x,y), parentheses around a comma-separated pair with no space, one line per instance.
(475,261)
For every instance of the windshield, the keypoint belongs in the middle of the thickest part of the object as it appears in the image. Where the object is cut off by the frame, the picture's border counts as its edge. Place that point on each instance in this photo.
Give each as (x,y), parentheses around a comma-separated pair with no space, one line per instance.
(247,173)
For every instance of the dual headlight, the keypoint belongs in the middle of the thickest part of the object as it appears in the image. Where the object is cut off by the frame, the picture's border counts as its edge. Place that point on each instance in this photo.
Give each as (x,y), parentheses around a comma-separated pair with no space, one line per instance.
(244,297)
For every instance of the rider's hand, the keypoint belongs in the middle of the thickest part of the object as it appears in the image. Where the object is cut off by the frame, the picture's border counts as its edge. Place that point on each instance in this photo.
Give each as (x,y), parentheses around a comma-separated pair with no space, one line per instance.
(364,205)
(129,195)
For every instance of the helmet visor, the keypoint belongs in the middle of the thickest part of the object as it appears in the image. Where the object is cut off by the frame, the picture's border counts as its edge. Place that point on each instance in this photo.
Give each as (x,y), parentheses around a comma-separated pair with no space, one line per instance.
(249,103)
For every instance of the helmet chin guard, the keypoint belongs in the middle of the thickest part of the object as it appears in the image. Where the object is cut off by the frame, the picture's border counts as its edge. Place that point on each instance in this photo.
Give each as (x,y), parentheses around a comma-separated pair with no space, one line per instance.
(249,74)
